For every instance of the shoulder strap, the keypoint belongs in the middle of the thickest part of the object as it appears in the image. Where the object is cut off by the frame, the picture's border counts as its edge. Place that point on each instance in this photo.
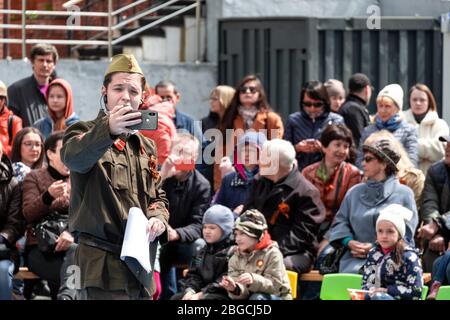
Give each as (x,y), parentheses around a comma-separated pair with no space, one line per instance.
(338,187)
(10,124)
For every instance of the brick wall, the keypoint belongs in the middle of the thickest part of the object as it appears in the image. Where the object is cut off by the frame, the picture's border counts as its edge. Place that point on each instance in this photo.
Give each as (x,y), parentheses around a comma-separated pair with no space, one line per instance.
(15,50)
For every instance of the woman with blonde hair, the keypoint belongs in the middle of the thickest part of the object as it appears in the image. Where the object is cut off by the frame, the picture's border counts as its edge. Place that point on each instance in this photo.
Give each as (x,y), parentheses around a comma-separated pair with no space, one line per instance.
(220,98)
(423,115)
(407,173)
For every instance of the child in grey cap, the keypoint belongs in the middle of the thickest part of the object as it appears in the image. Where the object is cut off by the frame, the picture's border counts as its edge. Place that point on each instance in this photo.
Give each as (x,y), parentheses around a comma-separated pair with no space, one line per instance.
(210,260)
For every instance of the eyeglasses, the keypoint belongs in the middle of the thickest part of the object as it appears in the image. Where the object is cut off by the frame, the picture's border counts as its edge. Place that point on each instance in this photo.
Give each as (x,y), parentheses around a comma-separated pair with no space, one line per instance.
(367,159)
(313,104)
(214,98)
(245,89)
(31,144)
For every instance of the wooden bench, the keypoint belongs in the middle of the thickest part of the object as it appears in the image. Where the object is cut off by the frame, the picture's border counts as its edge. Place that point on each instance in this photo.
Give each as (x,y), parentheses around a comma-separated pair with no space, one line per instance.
(24,274)
(314,275)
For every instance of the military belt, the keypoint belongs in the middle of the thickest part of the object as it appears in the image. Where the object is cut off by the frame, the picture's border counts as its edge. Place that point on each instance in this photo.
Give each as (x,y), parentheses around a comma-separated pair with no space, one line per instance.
(101,244)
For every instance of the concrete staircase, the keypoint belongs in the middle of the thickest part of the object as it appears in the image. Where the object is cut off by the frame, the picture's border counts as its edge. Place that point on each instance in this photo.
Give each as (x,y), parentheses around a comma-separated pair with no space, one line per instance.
(172,41)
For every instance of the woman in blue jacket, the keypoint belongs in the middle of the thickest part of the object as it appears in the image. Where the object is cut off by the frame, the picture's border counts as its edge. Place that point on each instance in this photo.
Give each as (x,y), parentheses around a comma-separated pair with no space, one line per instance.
(304,127)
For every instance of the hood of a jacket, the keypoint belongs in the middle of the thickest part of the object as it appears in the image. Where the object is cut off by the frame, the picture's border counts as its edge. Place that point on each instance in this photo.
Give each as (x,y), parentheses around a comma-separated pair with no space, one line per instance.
(69,97)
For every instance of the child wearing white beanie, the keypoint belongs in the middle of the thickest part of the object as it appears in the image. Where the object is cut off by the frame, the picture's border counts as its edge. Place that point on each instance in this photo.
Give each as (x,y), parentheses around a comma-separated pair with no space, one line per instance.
(393,270)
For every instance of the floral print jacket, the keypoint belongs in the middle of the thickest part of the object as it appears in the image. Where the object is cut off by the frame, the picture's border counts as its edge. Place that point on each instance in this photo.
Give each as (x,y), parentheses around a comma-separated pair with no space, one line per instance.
(403,281)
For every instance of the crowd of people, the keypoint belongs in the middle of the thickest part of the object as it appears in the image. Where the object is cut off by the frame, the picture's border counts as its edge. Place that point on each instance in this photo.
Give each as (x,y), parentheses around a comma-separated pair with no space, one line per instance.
(237,198)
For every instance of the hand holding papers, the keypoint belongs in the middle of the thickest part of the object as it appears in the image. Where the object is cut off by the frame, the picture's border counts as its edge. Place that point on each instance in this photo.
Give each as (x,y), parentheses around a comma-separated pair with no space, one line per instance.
(154,228)
(137,240)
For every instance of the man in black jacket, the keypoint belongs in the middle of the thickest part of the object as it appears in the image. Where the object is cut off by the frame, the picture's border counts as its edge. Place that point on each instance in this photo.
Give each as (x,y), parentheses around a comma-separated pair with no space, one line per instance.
(435,204)
(290,203)
(27,96)
(354,111)
(188,193)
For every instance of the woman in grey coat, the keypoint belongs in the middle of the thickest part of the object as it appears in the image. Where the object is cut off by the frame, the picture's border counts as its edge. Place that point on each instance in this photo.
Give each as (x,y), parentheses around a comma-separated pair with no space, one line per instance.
(389,106)
(354,226)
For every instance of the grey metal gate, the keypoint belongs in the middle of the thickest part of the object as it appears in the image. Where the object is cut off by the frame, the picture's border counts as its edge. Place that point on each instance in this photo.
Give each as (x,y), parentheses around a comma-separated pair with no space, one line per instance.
(286,52)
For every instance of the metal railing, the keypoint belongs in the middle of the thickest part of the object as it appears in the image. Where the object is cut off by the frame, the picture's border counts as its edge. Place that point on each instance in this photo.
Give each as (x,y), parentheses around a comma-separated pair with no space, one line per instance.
(109,29)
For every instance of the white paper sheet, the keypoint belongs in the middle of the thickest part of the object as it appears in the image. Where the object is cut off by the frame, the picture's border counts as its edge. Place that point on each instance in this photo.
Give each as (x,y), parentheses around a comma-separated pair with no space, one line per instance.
(136,241)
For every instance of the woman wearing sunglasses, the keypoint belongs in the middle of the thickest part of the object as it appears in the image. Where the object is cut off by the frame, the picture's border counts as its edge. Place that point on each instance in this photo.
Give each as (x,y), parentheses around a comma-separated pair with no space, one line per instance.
(304,127)
(354,226)
(248,110)
(407,173)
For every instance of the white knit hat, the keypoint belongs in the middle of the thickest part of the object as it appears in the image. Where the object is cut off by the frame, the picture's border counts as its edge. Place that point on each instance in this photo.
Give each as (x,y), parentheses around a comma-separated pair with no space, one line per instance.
(395,92)
(396,214)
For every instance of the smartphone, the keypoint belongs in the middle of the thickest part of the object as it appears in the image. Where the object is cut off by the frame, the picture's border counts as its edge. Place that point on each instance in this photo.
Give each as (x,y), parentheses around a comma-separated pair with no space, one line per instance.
(310,141)
(149,121)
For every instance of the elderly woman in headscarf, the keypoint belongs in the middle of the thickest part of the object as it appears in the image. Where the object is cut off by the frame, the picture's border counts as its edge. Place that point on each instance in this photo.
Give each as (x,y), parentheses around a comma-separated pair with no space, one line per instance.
(354,226)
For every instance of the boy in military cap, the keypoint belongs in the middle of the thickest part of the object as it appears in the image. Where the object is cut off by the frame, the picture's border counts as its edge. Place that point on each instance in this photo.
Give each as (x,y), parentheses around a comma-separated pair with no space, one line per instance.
(113,168)
(256,270)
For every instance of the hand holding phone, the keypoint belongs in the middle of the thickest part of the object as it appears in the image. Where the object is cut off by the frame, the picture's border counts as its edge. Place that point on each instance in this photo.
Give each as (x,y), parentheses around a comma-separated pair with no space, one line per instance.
(149,121)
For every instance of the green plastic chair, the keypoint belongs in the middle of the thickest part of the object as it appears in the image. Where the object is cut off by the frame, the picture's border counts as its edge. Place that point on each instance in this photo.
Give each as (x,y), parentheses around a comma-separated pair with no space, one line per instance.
(424,292)
(335,285)
(443,293)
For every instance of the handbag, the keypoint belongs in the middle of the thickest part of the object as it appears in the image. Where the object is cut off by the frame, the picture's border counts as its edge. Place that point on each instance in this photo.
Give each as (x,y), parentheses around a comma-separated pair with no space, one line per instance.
(48,230)
(330,263)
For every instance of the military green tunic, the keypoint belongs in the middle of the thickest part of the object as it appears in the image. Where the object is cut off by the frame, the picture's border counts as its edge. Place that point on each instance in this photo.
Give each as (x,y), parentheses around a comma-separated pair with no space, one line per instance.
(106,181)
